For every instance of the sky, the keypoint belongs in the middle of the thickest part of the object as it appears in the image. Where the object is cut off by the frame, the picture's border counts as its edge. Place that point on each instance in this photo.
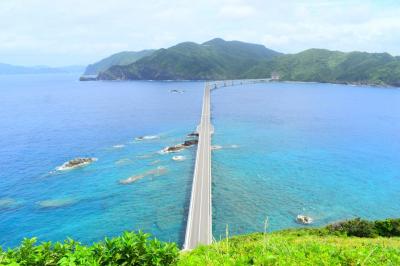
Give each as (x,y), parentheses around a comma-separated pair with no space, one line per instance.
(79,32)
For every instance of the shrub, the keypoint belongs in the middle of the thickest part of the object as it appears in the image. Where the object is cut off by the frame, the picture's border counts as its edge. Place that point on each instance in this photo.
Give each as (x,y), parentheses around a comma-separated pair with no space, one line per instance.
(388,227)
(129,249)
(356,227)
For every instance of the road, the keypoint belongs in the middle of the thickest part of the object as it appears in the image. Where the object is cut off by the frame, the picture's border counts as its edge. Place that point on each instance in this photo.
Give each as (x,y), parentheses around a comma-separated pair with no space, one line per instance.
(199,224)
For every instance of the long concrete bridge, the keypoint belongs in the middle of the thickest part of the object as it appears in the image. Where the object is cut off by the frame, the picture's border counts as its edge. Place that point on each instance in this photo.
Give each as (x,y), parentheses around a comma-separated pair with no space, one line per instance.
(199,222)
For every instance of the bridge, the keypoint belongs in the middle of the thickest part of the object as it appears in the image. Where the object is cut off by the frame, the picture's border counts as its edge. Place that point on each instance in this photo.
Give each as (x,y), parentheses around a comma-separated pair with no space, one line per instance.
(199,222)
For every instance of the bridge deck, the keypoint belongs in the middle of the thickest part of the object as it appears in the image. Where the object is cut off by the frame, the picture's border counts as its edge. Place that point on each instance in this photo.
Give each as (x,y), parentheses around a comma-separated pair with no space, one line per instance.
(199,224)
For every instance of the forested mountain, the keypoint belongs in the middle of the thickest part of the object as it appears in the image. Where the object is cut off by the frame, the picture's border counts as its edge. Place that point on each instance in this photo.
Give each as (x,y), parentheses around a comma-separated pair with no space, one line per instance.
(122,58)
(219,59)
(215,59)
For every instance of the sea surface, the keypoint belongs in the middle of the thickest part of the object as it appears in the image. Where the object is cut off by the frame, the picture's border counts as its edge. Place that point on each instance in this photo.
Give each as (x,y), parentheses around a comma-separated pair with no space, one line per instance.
(328,151)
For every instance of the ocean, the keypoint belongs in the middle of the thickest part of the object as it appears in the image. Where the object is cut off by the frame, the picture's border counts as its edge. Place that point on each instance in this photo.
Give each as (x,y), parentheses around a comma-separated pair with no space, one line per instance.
(328,151)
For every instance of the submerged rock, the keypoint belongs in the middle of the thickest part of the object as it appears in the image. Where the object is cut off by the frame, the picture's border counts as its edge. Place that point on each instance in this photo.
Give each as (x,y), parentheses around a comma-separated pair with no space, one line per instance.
(303,219)
(57,203)
(131,179)
(7,203)
(124,161)
(77,162)
(155,162)
(153,172)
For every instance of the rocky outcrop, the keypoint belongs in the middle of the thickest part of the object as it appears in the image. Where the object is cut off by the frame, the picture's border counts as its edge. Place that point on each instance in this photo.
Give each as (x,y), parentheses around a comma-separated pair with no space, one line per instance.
(181,146)
(303,219)
(193,135)
(77,162)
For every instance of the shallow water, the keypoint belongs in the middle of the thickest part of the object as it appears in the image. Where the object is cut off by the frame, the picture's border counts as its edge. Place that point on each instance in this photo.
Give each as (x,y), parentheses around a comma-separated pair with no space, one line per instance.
(329,151)
(48,120)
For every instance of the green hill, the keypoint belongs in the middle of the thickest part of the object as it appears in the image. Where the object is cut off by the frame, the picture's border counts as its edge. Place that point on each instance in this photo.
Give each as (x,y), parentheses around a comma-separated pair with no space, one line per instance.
(332,66)
(219,59)
(122,58)
(215,59)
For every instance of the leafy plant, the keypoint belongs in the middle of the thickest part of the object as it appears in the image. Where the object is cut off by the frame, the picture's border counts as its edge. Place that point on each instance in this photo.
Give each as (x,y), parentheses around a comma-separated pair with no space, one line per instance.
(129,249)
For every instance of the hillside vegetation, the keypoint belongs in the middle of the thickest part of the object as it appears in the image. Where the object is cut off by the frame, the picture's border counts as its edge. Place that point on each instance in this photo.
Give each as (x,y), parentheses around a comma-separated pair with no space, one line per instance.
(219,59)
(353,242)
(215,59)
(332,66)
(122,58)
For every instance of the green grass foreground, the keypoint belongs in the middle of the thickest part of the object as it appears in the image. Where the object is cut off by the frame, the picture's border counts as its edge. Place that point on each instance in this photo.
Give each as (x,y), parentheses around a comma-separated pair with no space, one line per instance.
(296,247)
(353,242)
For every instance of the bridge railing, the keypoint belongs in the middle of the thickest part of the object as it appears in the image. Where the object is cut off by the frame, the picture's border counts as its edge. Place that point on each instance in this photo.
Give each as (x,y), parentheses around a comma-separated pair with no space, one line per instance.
(216,84)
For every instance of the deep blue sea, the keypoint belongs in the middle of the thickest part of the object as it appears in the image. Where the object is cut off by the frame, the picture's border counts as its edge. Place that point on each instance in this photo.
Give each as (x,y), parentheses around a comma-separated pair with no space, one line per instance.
(328,151)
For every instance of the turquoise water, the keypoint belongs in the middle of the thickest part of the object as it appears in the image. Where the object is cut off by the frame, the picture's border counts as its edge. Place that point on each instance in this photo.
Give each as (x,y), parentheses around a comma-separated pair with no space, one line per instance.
(329,151)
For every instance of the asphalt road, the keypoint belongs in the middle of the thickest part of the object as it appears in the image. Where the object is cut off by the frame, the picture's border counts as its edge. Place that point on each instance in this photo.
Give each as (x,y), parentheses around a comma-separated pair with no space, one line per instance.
(199,224)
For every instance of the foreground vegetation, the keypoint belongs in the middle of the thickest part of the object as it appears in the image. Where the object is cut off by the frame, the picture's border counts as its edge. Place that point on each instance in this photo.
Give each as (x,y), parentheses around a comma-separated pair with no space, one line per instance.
(129,249)
(353,242)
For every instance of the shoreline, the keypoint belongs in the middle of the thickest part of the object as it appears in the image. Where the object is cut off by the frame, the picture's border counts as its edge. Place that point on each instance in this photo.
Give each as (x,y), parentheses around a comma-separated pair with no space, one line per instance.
(346,83)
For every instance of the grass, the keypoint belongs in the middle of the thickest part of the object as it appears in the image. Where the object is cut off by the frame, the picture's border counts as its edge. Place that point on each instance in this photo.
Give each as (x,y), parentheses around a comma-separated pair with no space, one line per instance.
(351,242)
(297,247)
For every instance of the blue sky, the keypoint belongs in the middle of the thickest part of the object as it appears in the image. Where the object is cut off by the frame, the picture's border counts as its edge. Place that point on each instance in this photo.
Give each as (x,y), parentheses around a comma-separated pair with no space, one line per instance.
(69,32)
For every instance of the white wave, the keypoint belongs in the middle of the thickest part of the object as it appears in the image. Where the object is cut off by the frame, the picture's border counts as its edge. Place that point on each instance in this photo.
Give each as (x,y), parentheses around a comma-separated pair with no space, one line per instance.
(118,146)
(150,137)
(216,147)
(178,158)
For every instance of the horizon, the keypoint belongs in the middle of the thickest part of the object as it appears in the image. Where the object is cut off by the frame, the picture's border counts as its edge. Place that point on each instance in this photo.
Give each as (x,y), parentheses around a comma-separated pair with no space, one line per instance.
(76,33)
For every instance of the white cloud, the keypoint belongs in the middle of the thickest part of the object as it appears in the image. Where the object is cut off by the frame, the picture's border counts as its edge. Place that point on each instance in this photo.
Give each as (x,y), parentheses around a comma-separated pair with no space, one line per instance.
(237,11)
(75,31)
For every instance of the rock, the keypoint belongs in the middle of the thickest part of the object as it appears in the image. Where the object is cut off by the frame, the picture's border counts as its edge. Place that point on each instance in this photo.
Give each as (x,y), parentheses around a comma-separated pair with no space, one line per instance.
(193,134)
(177,91)
(190,142)
(184,145)
(175,148)
(303,219)
(77,162)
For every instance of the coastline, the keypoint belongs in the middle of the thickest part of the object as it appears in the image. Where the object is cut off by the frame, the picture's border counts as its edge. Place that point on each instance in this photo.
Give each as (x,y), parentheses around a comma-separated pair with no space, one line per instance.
(347,83)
